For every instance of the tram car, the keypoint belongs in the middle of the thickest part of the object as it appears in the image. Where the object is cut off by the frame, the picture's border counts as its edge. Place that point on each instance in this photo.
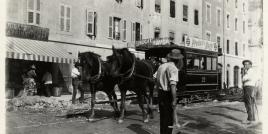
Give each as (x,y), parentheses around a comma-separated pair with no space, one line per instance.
(199,79)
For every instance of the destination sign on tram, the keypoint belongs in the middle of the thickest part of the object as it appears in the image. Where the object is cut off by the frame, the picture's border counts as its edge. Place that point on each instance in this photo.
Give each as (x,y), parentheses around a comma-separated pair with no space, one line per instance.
(196,43)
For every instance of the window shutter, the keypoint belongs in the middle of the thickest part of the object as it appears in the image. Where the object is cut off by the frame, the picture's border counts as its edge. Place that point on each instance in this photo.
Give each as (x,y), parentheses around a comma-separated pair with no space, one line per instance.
(62,12)
(110,27)
(134,31)
(90,22)
(68,19)
(95,24)
(38,5)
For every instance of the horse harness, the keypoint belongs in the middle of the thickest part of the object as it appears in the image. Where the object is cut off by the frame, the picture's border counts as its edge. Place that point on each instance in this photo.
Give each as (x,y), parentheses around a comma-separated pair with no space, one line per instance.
(131,72)
(97,77)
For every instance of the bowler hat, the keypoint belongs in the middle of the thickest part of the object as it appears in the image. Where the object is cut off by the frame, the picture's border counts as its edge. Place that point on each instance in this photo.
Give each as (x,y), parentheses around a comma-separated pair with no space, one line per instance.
(244,61)
(175,54)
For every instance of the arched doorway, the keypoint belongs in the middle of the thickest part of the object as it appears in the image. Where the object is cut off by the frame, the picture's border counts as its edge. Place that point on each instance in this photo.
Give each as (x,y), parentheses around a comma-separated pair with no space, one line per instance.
(236,75)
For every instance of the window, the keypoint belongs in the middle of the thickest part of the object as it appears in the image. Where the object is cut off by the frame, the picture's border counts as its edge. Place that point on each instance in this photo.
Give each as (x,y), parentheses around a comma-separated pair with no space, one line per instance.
(136,32)
(236,24)
(185,13)
(228,21)
(90,22)
(171,36)
(172,8)
(156,32)
(65,18)
(218,17)
(139,3)
(236,48)
(208,13)
(244,7)
(236,76)
(124,30)
(199,62)
(244,50)
(208,35)
(244,27)
(235,3)
(116,28)
(33,12)
(219,41)
(227,46)
(157,6)
(119,1)
(183,37)
(196,21)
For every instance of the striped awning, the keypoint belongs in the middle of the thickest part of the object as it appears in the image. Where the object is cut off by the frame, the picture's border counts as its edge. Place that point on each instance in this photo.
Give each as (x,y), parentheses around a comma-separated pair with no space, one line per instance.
(26,49)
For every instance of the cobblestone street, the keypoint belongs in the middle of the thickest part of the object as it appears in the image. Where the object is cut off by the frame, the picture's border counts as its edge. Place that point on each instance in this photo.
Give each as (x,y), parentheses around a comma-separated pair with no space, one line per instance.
(203,118)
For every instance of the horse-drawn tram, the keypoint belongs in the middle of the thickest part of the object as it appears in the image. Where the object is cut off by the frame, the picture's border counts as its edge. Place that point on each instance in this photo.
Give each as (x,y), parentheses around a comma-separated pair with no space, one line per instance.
(199,77)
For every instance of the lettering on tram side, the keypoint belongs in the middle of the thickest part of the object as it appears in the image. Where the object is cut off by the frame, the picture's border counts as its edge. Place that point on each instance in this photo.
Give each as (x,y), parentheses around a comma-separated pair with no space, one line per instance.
(196,43)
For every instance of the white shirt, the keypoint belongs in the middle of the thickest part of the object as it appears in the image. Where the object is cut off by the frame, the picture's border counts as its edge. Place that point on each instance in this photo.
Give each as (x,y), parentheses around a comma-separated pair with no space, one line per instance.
(251,77)
(75,72)
(166,75)
(47,78)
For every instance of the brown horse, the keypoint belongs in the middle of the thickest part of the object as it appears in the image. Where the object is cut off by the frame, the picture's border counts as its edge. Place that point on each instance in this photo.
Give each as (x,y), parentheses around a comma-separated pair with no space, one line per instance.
(135,75)
(95,72)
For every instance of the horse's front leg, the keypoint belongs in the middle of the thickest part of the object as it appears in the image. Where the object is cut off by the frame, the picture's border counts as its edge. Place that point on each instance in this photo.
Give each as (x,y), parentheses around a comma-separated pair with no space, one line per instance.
(141,104)
(93,94)
(122,107)
(113,102)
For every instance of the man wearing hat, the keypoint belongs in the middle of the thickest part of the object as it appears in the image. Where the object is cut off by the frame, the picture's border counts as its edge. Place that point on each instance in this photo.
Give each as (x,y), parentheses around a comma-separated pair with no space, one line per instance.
(250,79)
(167,79)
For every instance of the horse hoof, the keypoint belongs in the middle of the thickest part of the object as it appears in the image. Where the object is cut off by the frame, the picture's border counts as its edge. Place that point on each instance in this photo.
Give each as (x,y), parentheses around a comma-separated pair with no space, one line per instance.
(120,121)
(146,121)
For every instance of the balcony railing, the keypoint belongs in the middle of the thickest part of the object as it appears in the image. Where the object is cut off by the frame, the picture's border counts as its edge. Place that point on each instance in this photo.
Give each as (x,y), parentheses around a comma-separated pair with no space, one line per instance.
(27,31)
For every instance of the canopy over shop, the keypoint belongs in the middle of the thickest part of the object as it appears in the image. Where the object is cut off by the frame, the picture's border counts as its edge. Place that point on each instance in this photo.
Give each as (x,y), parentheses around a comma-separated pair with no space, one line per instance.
(46,56)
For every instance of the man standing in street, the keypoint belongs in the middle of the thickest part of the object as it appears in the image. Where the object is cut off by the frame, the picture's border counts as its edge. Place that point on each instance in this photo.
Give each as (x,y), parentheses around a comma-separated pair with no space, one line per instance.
(76,82)
(167,79)
(250,79)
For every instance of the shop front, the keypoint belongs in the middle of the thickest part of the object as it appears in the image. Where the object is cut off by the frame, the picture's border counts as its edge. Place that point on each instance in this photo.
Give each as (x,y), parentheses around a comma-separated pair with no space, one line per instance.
(46,56)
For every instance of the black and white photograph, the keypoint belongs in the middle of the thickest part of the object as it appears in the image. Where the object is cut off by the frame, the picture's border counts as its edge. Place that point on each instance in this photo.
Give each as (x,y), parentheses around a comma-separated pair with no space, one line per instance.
(133,66)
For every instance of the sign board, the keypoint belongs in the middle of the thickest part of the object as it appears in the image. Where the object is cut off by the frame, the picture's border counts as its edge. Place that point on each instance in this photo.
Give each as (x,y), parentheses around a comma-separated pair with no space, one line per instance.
(196,43)
(153,42)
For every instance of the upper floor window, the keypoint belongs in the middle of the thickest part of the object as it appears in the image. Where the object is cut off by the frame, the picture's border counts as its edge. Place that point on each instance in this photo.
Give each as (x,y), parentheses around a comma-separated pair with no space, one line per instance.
(228,46)
(236,48)
(91,20)
(228,21)
(119,1)
(208,13)
(236,5)
(172,8)
(157,6)
(171,36)
(139,3)
(219,41)
(244,49)
(244,7)
(183,37)
(236,21)
(136,32)
(65,18)
(218,17)
(156,32)
(196,21)
(208,35)
(33,12)
(185,13)
(244,27)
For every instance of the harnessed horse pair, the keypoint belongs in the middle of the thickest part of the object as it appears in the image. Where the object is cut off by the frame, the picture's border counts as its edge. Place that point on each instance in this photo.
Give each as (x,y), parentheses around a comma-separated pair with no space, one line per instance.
(123,69)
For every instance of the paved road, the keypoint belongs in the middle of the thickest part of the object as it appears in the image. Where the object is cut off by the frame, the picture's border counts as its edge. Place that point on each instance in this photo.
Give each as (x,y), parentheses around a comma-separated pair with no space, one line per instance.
(208,118)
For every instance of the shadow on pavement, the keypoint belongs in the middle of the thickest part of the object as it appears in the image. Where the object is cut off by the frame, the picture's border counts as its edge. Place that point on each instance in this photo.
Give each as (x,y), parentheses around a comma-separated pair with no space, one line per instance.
(224,115)
(137,128)
(230,108)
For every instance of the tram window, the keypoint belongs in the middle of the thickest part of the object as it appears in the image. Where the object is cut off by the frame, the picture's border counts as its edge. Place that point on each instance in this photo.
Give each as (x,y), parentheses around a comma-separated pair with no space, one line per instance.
(209,63)
(193,62)
(214,63)
(202,63)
